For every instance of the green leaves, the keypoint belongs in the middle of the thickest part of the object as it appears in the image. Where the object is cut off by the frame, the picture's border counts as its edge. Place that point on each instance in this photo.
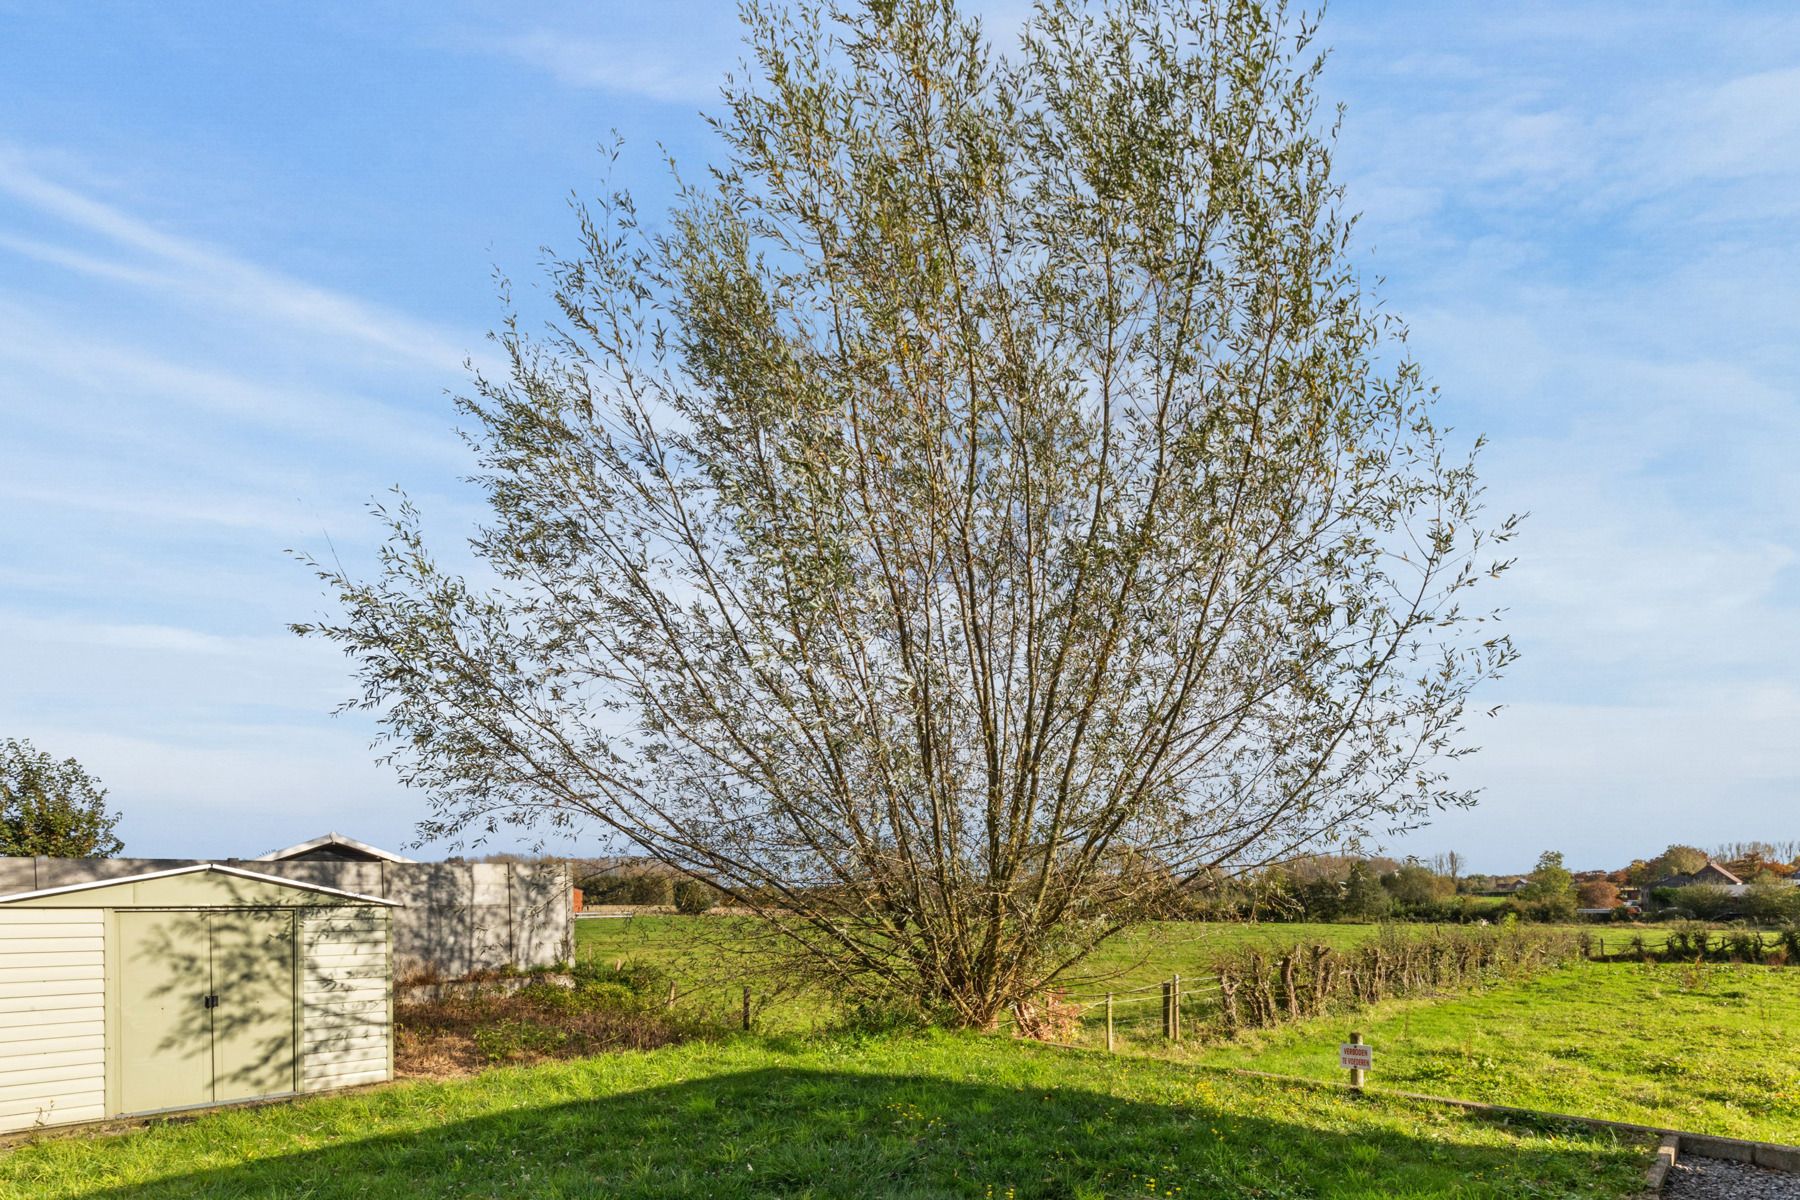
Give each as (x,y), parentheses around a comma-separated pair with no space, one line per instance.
(988,506)
(50,808)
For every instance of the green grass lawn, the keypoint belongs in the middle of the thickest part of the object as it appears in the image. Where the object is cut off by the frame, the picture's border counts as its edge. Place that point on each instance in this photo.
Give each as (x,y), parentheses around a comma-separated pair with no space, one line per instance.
(1709,1049)
(963,1116)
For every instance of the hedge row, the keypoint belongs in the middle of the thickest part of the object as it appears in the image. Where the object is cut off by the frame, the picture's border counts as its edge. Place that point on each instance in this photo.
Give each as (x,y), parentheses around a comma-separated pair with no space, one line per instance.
(1697,943)
(1259,988)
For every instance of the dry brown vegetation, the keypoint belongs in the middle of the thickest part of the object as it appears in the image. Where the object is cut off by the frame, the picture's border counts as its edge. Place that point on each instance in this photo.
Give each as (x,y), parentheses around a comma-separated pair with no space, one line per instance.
(449,1035)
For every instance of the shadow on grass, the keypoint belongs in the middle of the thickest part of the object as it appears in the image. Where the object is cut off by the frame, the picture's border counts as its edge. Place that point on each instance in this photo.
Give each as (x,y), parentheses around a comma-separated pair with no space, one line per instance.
(799,1133)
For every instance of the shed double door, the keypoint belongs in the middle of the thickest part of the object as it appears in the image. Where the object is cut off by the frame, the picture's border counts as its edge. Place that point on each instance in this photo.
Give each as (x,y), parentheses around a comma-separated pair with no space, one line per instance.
(206,1007)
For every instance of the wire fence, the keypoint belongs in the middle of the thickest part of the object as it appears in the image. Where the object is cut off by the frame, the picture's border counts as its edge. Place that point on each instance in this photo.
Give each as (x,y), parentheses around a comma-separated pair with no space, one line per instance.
(1254,986)
(1154,1014)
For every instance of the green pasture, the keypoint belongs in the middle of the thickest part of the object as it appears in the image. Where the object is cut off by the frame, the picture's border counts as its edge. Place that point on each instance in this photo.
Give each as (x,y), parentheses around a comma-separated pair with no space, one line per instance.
(930,1116)
(1711,1048)
(713,958)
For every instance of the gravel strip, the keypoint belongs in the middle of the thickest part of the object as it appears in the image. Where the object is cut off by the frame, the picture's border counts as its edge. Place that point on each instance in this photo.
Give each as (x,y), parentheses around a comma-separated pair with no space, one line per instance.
(1716,1179)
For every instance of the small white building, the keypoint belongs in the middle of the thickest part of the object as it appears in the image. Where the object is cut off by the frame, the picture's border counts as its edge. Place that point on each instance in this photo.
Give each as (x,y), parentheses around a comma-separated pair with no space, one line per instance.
(185,988)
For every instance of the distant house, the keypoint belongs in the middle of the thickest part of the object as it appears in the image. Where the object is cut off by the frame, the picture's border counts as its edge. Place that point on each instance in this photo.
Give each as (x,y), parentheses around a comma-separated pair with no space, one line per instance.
(1711,875)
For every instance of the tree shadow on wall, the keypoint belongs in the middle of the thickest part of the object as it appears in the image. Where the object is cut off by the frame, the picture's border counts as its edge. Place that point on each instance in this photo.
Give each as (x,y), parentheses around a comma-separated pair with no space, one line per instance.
(229,980)
(786,1132)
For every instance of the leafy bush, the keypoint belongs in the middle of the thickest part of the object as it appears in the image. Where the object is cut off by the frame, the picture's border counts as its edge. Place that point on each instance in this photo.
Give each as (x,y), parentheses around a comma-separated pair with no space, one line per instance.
(635,888)
(644,981)
(693,897)
(1744,945)
(878,1016)
(1708,903)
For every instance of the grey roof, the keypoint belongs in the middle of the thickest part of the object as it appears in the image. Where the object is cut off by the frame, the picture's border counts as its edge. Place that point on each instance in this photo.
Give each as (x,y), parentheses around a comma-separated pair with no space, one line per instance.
(331,839)
(217,868)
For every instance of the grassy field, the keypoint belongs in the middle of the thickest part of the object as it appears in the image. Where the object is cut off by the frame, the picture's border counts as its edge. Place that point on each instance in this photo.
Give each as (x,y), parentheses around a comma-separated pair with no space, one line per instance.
(695,945)
(1708,1049)
(933,1116)
(1705,1048)
(711,960)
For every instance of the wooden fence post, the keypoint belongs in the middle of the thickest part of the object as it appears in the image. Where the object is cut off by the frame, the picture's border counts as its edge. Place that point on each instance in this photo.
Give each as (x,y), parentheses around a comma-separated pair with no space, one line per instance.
(1175,1007)
(1356,1073)
(1168,1012)
(746,1008)
(1228,1000)
(1109,1023)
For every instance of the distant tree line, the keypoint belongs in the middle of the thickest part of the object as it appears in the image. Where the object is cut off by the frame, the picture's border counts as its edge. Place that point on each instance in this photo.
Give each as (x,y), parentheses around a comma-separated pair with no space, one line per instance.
(1373,888)
(1352,888)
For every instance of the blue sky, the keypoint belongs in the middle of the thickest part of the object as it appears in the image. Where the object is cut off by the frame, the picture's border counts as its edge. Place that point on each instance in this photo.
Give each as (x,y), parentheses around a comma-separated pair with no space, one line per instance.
(245,248)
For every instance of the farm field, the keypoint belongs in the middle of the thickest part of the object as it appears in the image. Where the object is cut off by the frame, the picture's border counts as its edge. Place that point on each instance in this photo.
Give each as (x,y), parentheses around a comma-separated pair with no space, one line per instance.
(711,960)
(927,1116)
(1704,1048)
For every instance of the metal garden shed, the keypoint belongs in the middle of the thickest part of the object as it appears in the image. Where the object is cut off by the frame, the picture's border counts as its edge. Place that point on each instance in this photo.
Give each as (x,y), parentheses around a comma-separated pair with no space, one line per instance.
(195,986)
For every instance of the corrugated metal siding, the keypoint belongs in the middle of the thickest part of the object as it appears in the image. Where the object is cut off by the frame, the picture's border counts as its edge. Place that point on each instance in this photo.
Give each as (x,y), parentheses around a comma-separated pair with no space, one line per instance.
(344,1026)
(52,1017)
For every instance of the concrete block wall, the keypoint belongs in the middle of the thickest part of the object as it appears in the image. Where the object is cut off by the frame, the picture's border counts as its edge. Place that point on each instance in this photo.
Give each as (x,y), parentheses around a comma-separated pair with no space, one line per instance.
(455,919)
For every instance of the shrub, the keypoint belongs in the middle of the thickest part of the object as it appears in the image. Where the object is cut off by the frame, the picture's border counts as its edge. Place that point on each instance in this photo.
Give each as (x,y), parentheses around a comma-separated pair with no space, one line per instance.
(694,896)
(1707,902)
(650,889)
(636,888)
(641,980)
(1744,945)
(616,995)
(877,1016)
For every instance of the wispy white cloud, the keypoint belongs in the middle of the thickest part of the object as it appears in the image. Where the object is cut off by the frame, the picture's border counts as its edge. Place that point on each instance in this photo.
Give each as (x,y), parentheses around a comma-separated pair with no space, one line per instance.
(59,358)
(654,72)
(1596,271)
(172,263)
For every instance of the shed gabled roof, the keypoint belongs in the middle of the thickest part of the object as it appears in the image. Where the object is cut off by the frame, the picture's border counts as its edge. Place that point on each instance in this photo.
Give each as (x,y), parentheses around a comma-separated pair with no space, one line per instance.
(209,868)
(375,853)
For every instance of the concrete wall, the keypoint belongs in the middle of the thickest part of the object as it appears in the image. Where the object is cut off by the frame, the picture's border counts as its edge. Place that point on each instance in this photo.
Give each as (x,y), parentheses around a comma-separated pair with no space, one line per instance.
(457,917)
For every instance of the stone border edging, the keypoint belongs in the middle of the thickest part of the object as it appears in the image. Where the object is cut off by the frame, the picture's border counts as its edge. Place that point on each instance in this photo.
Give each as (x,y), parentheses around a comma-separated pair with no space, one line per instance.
(1667,1151)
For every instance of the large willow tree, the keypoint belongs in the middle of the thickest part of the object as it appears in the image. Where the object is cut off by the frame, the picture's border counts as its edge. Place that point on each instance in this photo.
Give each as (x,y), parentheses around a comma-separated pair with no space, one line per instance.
(985,507)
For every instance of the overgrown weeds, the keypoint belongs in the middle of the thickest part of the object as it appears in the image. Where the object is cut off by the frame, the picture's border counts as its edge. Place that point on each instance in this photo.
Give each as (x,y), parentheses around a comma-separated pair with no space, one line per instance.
(595,1011)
